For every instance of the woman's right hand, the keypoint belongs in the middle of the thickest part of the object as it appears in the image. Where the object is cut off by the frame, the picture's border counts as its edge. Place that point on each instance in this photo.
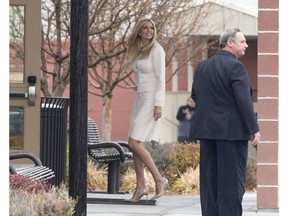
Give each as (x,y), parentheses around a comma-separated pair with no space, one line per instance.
(157,112)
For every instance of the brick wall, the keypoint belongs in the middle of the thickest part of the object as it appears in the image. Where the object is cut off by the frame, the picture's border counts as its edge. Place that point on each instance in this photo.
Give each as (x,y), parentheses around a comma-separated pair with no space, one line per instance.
(283,104)
(267,154)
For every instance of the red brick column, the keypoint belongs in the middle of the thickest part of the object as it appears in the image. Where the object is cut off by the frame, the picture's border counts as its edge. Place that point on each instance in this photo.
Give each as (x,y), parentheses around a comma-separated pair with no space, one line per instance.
(267,104)
(283,104)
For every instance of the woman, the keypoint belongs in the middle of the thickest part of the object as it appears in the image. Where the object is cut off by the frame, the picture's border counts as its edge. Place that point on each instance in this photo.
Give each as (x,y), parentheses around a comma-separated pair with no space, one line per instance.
(148,62)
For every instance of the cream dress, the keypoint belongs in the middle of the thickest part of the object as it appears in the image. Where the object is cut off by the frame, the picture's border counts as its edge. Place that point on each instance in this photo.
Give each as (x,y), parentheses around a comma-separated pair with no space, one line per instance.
(150,74)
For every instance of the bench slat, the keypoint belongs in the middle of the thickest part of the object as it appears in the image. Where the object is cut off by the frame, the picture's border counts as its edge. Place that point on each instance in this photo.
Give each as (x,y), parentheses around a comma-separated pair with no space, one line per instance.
(37,171)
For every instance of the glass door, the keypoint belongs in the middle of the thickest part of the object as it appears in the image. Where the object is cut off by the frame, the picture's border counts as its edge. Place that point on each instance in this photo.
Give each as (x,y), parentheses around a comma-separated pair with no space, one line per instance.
(24,75)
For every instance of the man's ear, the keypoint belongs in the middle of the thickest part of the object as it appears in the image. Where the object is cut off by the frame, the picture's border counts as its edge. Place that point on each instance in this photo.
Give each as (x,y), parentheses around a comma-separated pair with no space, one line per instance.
(230,43)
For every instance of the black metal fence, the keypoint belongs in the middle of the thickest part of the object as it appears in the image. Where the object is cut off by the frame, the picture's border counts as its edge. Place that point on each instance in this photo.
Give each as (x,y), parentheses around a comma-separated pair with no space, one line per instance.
(53,136)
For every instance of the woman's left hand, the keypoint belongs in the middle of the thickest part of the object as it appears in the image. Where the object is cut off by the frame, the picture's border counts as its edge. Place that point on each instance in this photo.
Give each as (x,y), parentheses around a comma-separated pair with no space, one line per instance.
(157,112)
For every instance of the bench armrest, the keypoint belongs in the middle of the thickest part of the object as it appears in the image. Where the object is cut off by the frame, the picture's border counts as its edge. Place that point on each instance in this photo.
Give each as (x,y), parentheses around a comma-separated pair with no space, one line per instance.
(20,155)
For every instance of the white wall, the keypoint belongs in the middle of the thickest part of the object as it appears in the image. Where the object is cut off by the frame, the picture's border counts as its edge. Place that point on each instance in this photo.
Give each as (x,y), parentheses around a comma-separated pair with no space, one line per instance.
(169,122)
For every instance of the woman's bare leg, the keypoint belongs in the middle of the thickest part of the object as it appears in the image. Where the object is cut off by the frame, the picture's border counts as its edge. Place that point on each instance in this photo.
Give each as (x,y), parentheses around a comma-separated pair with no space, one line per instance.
(140,178)
(144,157)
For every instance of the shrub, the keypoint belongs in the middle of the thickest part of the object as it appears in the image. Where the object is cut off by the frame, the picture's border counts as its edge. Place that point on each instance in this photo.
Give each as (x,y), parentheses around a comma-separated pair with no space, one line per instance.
(96,176)
(20,182)
(181,162)
(178,162)
(184,156)
(251,182)
(129,180)
(37,197)
(187,183)
(160,154)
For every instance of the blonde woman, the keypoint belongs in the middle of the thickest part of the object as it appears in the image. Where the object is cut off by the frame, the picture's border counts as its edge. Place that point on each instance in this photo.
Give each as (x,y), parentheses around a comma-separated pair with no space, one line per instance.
(148,62)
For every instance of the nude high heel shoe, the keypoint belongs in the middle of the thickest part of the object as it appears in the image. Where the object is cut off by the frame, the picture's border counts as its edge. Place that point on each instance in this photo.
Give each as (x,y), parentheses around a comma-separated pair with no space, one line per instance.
(139,196)
(163,188)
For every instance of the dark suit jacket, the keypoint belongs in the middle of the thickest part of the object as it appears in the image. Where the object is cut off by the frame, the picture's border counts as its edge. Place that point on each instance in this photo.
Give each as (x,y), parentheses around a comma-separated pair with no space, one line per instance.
(223,97)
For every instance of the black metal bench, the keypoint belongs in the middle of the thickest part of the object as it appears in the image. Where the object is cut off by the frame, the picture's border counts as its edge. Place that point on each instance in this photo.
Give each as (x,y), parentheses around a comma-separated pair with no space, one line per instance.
(109,152)
(35,171)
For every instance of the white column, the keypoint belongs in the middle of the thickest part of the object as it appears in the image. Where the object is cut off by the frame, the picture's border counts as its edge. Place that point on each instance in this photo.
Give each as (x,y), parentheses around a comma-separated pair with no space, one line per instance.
(189,76)
(175,77)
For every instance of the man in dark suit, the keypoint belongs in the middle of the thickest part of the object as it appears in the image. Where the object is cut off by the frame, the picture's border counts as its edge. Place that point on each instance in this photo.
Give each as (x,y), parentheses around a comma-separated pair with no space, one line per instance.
(224,121)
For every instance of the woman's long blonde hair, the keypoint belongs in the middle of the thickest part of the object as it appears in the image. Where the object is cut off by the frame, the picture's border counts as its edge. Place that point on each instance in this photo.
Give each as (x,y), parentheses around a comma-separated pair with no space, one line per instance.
(134,50)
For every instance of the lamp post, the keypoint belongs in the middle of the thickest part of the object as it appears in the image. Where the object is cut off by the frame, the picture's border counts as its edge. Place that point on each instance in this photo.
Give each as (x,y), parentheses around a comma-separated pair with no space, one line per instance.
(78,104)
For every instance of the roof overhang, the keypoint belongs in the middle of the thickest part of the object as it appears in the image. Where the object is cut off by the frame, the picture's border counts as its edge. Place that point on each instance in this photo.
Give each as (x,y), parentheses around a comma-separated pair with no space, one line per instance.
(221,16)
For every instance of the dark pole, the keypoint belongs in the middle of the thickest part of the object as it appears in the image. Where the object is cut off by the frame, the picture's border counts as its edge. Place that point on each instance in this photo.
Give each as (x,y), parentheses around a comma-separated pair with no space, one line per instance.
(78,104)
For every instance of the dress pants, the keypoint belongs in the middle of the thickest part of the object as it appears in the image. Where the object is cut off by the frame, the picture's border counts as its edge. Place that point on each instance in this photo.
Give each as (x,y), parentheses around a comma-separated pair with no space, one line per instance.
(222,176)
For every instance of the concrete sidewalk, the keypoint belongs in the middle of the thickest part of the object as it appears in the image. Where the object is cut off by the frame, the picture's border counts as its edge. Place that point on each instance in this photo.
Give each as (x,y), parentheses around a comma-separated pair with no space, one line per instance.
(172,205)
